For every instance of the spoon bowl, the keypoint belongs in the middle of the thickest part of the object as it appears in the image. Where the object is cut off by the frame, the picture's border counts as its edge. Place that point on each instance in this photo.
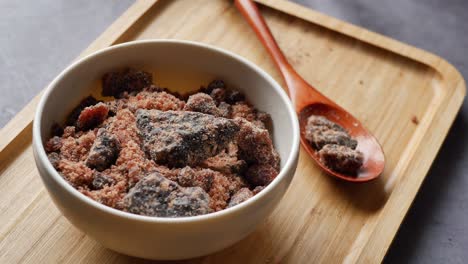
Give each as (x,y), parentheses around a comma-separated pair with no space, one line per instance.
(309,101)
(374,160)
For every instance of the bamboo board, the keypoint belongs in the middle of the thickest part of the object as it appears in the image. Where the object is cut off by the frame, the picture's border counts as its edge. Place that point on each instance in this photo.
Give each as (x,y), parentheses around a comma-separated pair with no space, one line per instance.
(407,97)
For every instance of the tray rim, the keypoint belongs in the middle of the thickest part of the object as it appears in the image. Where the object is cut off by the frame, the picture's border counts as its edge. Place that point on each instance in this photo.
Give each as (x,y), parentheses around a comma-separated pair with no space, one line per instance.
(451,81)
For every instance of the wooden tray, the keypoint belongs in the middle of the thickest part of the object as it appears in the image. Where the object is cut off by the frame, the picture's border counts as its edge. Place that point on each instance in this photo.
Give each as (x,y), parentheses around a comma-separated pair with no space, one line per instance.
(407,97)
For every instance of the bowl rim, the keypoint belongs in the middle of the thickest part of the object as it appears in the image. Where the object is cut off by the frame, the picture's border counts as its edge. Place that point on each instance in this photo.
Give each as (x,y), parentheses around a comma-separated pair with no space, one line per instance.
(42,156)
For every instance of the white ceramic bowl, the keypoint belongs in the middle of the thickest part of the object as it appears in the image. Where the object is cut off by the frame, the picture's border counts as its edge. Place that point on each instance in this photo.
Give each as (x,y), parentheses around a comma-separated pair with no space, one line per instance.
(155,237)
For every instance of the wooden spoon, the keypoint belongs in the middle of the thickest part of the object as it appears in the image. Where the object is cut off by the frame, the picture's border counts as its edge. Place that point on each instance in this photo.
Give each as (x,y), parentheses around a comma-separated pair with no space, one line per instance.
(307,101)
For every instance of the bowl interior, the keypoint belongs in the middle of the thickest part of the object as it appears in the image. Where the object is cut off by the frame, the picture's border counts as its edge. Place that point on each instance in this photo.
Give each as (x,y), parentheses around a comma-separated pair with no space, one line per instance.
(179,66)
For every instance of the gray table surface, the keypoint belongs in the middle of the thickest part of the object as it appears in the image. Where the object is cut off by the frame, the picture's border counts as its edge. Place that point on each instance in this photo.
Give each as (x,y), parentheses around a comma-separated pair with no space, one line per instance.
(39,38)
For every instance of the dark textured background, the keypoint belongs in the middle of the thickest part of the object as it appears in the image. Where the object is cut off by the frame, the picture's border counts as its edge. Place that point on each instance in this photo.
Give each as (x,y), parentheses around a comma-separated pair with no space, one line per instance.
(39,38)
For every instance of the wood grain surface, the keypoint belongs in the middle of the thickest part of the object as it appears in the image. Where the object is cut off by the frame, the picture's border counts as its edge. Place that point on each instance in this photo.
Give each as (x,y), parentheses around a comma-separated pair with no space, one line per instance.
(383,82)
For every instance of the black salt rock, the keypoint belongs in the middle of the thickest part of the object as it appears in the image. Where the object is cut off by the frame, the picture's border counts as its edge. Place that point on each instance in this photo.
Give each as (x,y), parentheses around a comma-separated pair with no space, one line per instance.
(154,195)
(178,138)
(104,151)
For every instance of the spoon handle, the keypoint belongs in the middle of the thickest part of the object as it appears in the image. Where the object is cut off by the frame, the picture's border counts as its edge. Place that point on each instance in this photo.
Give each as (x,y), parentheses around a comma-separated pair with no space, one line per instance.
(294,82)
(250,11)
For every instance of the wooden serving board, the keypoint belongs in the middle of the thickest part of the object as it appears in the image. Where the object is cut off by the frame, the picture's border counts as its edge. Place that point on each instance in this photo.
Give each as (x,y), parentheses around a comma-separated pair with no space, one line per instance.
(407,97)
